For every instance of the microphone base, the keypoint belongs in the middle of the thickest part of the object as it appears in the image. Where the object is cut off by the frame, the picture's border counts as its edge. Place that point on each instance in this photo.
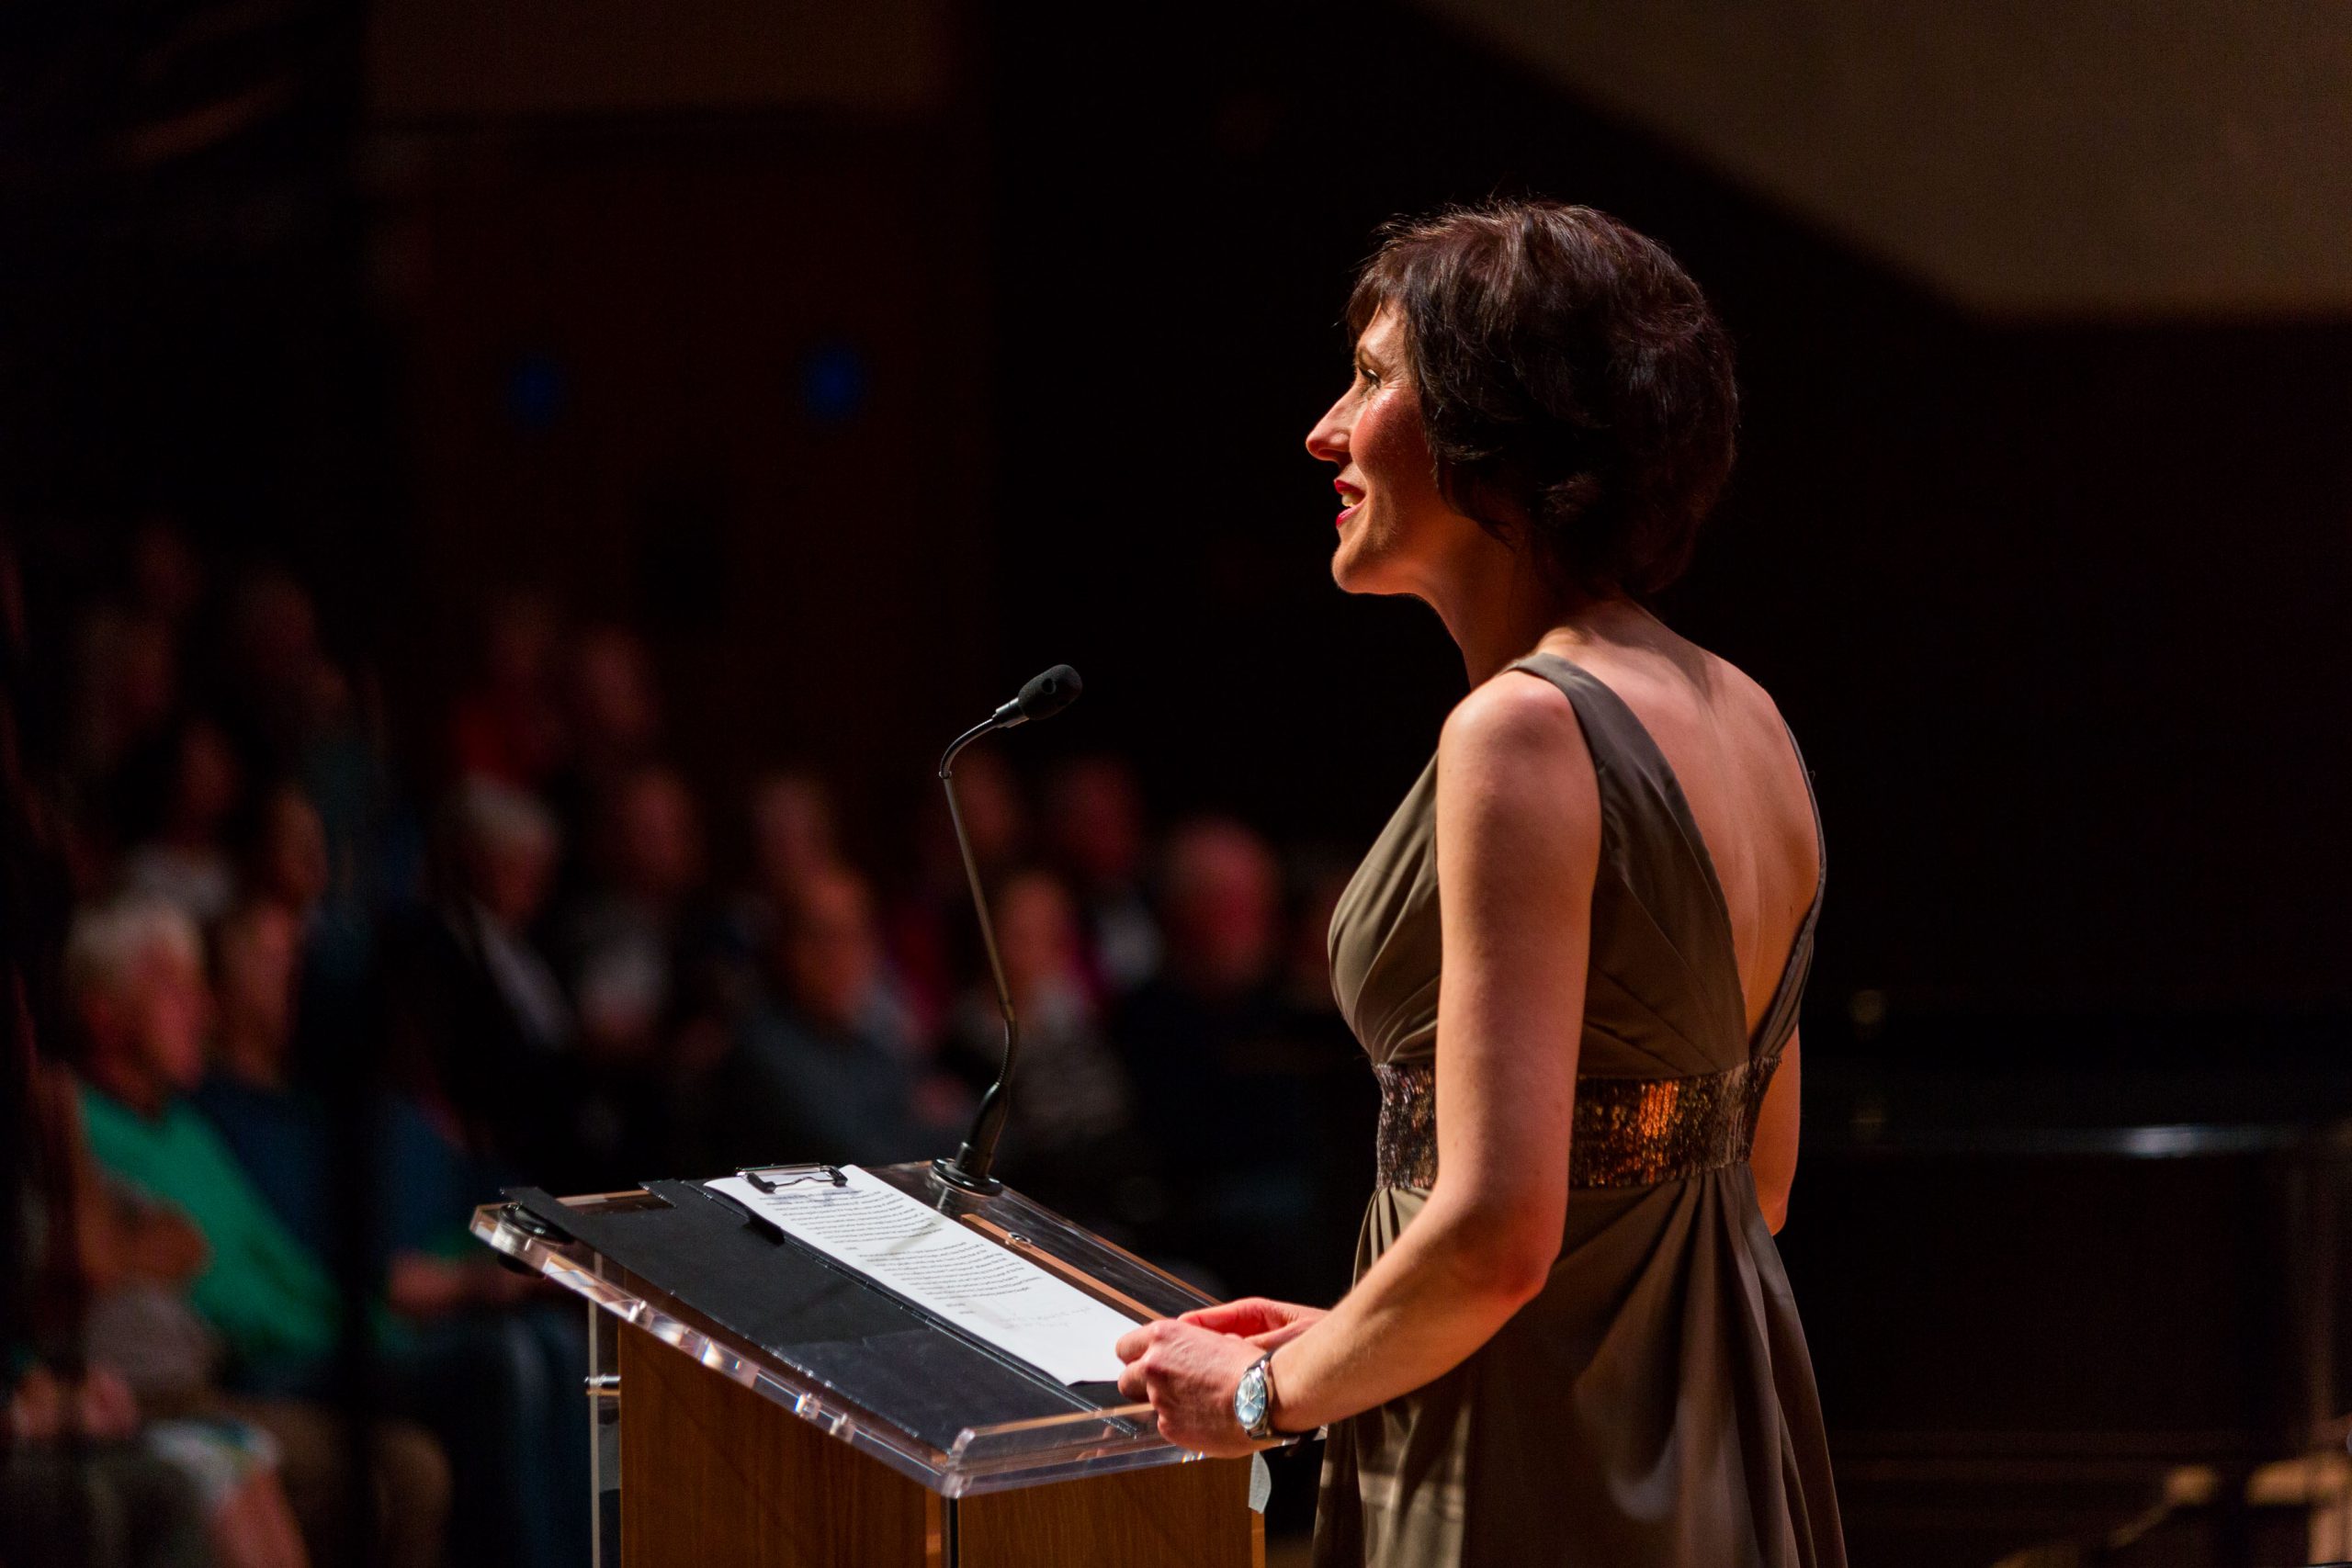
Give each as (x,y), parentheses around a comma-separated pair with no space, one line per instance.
(953,1174)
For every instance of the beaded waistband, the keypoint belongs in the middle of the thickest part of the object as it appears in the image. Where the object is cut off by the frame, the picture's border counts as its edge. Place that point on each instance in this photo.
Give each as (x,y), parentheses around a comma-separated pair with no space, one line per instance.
(1628,1132)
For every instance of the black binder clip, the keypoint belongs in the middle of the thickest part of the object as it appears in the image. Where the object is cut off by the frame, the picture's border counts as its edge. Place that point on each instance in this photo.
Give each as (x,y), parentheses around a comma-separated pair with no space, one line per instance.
(827,1173)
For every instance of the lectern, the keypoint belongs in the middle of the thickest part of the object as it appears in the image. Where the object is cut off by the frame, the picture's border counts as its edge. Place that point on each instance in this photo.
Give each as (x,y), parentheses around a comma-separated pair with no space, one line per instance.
(756,1404)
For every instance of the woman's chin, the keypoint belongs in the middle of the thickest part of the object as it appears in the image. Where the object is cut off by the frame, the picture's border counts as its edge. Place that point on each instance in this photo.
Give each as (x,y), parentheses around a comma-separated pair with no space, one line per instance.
(1348,567)
(1356,575)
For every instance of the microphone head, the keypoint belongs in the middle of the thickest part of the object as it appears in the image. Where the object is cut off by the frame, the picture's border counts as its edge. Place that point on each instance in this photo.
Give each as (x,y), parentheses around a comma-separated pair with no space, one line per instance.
(1047,694)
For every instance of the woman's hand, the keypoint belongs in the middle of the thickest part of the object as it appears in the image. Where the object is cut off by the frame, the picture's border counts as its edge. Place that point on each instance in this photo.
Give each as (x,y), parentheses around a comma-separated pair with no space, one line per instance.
(1189,1374)
(1263,1323)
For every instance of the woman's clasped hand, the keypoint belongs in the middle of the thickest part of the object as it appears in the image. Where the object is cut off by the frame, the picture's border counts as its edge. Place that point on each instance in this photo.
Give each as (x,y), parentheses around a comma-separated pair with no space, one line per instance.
(1188,1368)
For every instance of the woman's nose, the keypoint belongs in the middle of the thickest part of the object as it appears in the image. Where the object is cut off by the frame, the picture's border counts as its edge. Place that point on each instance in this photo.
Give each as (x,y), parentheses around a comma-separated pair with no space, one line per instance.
(1328,439)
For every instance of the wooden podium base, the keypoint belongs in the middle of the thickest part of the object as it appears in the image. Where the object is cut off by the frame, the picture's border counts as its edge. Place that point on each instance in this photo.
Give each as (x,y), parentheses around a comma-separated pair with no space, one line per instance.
(714,1476)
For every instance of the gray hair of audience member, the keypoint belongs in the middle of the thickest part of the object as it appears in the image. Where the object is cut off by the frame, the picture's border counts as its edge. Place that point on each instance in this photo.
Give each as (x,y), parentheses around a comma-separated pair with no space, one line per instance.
(109,941)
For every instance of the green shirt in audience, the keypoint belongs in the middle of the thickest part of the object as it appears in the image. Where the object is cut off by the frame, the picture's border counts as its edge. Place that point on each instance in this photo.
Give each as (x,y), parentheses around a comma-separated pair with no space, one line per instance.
(262,1289)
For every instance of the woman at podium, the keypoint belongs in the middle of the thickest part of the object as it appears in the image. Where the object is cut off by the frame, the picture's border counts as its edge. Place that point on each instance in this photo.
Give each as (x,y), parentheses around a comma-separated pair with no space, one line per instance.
(1570,1338)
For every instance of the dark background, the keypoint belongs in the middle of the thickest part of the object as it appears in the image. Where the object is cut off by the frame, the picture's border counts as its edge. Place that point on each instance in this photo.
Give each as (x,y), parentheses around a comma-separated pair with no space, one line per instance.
(2047,603)
(866,408)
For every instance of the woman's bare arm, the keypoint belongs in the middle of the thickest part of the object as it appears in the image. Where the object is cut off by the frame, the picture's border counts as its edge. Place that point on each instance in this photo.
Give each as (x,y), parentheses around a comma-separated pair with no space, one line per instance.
(1518,848)
(1774,1160)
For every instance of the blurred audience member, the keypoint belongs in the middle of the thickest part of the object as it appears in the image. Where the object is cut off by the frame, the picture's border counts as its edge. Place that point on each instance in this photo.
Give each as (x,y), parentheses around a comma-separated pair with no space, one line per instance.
(817,1072)
(178,793)
(482,1031)
(934,946)
(277,1137)
(166,576)
(284,850)
(643,963)
(794,837)
(135,975)
(283,1141)
(280,686)
(76,1487)
(793,841)
(128,681)
(509,727)
(145,1369)
(1094,809)
(1224,1084)
(1221,908)
(506,847)
(615,707)
(1069,1138)
(621,935)
(490,1381)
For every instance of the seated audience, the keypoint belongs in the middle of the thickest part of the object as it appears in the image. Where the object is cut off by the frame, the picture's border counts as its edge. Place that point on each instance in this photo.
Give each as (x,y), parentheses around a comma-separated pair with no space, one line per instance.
(137,979)
(639,956)
(493,1375)
(283,1141)
(1069,1141)
(817,1072)
(143,1366)
(1225,1086)
(127,685)
(77,1485)
(135,974)
(508,727)
(1096,826)
(793,841)
(483,1032)
(562,1003)
(934,948)
(176,798)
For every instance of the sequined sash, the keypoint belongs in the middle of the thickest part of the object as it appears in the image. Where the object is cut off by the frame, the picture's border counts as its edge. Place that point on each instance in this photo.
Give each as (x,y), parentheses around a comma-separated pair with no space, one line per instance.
(1628,1132)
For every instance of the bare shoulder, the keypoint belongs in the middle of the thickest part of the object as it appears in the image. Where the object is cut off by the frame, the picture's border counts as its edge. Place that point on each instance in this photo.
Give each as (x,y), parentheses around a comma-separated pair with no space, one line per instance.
(1511,721)
(1518,817)
(1515,780)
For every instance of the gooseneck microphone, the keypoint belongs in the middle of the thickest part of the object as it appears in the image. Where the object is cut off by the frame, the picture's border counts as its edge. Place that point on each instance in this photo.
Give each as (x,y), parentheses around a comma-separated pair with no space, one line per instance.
(1043,697)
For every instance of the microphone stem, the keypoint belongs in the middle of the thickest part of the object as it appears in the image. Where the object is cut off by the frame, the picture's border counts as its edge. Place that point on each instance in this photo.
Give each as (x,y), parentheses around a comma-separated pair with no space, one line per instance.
(979,1152)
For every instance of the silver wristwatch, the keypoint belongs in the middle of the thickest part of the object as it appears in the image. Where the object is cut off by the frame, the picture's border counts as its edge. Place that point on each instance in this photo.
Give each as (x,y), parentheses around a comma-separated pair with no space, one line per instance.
(1253,1400)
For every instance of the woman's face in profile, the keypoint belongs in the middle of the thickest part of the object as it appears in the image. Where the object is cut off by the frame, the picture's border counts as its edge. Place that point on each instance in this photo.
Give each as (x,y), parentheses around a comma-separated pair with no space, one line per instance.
(1394,525)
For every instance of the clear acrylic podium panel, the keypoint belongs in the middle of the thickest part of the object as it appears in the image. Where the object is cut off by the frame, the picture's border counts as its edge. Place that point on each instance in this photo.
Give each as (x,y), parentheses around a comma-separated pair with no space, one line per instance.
(992,1457)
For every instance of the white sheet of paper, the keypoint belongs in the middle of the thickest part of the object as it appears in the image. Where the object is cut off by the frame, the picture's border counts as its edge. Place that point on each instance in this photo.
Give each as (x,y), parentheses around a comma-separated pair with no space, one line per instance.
(946,1269)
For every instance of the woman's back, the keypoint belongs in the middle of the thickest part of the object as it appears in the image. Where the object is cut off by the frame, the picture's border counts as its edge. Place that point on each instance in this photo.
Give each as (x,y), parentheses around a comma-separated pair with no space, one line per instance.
(1730,753)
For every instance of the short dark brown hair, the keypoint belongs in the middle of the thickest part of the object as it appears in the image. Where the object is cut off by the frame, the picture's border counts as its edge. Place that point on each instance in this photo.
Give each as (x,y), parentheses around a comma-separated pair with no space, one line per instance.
(1577,389)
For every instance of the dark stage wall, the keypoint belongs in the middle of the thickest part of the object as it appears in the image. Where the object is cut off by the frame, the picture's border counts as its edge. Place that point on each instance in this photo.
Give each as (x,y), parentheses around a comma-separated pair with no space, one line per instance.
(722,381)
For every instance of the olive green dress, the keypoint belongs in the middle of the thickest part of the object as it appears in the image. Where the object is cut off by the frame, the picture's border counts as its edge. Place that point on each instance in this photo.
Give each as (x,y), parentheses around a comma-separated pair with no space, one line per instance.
(1655,1404)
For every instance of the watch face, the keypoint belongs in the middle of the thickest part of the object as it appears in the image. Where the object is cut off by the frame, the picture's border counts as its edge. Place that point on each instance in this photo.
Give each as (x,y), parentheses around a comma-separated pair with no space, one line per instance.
(1249,1399)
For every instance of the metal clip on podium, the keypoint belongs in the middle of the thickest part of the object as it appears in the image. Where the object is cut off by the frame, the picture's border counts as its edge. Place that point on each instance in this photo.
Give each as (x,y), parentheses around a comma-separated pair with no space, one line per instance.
(758,1405)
